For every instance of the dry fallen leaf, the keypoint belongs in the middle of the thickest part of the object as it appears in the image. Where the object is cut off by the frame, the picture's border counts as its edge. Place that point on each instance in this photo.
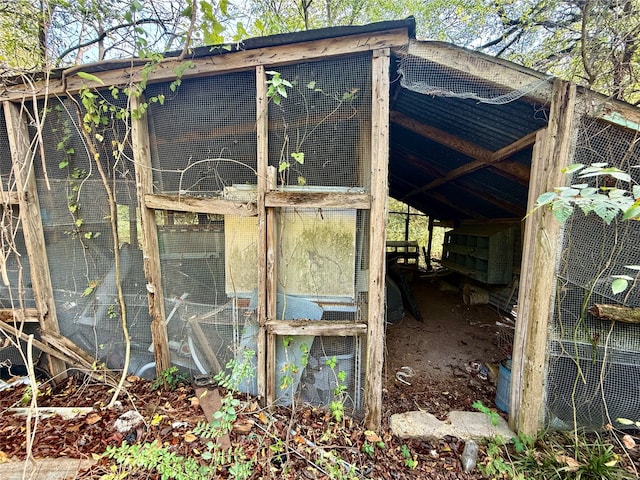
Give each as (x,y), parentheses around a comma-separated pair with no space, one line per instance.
(628,441)
(572,464)
(195,402)
(74,428)
(242,426)
(263,418)
(190,437)
(372,436)
(4,458)
(133,378)
(93,418)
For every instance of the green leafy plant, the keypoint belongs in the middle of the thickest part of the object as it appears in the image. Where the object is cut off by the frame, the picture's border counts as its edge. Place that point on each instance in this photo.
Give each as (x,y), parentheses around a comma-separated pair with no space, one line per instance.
(170,378)
(234,374)
(495,465)
(153,457)
(91,286)
(112,311)
(159,459)
(277,87)
(336,406)
(27,395)
(369,448)
(628,422)
(605,200)
(237,372)
(291,369)
(410,460)
(490,413)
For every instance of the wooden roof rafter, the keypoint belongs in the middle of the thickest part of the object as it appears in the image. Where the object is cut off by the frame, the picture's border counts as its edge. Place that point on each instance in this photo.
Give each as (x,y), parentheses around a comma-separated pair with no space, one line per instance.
(483,157)
(507,206)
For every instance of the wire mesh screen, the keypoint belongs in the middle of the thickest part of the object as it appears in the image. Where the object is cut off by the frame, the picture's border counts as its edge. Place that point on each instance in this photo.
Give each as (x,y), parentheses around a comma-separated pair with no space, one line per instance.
(594,364)
(15,289)
(319,133)
(6,170)
(318,252)
(317,370)
(76,217)
(209,271)
(322,267)
(322,256)
(203,139)
(204,337)
(425,75)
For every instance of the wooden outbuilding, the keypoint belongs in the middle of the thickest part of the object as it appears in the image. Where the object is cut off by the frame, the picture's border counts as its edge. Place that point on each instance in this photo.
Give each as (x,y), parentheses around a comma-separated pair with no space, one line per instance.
(234,199)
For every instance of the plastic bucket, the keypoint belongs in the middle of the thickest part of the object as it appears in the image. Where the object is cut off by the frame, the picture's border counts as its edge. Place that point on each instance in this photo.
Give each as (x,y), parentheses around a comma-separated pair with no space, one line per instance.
(504,385)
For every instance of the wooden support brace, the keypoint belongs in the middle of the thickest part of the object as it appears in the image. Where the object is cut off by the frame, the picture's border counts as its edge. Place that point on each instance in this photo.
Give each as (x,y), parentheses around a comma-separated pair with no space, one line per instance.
(618,313)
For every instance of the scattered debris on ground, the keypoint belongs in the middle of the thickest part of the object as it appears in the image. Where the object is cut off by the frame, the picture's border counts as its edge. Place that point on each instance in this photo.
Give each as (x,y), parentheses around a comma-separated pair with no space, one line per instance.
(282,443)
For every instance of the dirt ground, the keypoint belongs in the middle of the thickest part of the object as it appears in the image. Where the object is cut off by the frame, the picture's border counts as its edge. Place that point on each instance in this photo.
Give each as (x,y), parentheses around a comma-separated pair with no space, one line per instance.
(438,351)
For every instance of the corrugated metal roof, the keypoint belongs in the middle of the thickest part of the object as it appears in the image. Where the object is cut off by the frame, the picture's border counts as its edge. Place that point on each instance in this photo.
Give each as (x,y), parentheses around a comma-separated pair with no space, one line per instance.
(431,136)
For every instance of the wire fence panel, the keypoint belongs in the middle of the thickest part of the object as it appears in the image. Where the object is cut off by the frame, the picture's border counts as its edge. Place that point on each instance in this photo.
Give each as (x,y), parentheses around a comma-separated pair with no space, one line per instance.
(594,364)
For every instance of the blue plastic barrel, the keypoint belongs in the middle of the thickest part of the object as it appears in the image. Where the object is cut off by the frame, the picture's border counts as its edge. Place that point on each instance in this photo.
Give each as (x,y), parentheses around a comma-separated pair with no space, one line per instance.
(504,385)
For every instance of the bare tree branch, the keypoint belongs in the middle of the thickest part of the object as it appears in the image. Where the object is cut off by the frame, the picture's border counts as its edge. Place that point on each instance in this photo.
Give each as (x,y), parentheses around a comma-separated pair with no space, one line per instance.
(108,31)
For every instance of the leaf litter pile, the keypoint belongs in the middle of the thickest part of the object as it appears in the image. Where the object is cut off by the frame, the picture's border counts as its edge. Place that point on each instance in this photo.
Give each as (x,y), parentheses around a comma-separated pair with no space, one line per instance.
(304,443)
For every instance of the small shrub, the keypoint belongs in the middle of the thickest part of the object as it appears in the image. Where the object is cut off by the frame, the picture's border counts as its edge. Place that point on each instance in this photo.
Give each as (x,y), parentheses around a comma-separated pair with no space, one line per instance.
(171,378)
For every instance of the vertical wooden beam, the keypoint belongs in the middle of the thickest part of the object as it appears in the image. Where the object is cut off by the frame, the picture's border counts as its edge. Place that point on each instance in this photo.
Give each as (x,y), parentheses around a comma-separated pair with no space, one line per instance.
(21,157)
(266,257)
(524,299)
(538,282)
(150,248)
(377,233)
(271,290)
(429,243)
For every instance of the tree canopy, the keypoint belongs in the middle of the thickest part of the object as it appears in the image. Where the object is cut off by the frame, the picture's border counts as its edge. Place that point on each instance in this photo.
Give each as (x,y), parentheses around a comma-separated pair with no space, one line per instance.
(592,42)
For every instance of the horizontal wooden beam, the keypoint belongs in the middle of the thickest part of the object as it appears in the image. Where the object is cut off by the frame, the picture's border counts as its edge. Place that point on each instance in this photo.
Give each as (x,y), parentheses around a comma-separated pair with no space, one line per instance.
(214,64)
(516,171)
(19,315)
(316,327)
(186,203)
(360,201)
